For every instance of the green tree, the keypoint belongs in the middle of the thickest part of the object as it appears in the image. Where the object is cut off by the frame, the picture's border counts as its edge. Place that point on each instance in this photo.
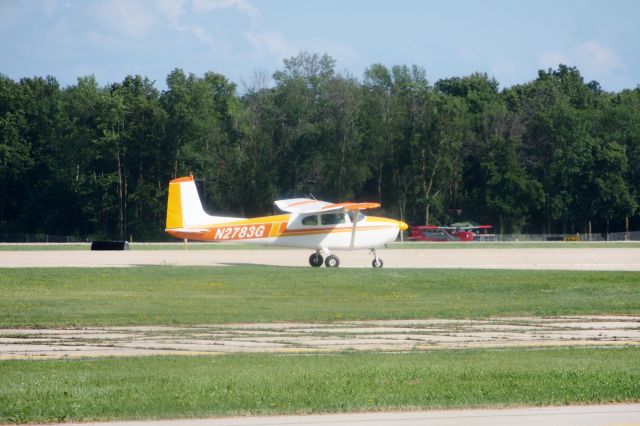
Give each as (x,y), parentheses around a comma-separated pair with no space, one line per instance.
(15,158)
(611,197)
(259,168)
(377,123)
(482,117)
(619,124)
(399,129)
(344,160)
(202,134)
(303,135)
(82,103)
(45,124)
(553,154)
(508,195)
(141,179)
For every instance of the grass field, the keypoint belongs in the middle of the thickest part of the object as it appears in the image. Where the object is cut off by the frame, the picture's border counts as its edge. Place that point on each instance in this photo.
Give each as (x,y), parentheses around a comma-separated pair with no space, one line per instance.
(170,387)
(53,297)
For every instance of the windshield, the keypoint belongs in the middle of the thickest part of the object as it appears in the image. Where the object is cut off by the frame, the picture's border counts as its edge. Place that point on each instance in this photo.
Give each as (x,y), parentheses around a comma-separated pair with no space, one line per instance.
(352,214)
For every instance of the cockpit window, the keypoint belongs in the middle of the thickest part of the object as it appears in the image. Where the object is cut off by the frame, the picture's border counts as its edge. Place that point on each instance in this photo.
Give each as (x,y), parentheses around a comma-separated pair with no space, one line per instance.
(332,218)
(310,220)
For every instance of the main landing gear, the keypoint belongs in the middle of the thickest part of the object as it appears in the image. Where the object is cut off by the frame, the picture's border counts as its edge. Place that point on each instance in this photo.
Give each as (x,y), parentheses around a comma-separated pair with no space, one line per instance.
(316,259)
(377,262)
(332,261)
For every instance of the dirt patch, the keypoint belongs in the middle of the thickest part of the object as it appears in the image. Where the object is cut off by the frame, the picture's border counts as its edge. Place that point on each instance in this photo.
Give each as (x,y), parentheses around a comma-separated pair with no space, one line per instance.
(396,335)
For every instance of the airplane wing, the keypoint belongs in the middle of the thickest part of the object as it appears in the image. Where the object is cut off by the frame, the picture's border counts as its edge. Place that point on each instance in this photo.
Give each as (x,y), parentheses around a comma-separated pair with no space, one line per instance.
(467,228)
(306,205)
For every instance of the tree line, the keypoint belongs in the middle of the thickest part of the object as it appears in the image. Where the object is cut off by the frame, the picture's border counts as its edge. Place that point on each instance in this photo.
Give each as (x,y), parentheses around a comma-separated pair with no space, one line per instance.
(556,154)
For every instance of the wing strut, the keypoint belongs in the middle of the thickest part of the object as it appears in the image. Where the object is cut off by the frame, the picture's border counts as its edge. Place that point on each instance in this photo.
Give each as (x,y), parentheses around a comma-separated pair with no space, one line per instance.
(356,214)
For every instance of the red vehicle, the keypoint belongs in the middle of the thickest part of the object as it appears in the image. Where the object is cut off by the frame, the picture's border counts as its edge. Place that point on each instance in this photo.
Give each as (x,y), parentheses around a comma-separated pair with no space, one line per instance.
(456,232)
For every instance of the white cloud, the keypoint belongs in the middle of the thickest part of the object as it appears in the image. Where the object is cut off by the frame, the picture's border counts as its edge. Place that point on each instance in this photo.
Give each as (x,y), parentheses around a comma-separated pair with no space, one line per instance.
(593,60)
(552,59)
(505,70)
(243,6)
(273,44)
(128,18)
(270,42)
(107,42)
(467,54)
(597,58)
(203,36)
(50,6)
(172,10)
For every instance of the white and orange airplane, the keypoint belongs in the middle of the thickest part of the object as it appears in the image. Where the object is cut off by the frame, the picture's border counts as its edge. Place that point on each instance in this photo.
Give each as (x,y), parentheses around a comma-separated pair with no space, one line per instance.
(308,223)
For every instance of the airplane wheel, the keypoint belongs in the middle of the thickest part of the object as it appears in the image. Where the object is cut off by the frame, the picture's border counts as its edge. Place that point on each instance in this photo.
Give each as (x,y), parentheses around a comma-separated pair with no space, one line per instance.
(377,263)
(332,261)
(315,260)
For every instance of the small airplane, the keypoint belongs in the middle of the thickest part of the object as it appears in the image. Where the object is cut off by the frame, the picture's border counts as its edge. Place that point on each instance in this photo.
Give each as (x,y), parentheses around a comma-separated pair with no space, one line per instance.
(456,232)
(308,223)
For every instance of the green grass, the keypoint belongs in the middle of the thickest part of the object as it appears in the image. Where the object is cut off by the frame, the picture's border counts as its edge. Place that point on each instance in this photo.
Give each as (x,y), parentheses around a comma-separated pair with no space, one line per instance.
(52,297)
(172,387)
(169,387)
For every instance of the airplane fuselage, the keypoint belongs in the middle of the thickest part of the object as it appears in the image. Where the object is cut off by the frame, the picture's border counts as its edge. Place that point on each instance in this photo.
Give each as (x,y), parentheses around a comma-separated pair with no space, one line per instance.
(299,230)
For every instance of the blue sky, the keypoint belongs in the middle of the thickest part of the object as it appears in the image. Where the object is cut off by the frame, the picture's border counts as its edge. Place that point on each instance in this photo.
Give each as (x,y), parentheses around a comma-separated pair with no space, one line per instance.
(509,40)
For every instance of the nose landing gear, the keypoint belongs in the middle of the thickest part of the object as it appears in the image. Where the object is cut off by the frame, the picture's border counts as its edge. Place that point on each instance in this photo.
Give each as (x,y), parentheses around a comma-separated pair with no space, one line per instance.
(377,262)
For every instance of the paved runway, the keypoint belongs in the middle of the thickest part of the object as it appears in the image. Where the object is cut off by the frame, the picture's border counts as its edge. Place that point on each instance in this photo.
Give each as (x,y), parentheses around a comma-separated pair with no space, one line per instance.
(597,259)
(594,415)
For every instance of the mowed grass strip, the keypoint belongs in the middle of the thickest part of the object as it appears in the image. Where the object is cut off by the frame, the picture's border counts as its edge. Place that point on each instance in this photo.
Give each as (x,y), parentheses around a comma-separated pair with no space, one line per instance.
(174,387)
(54,297)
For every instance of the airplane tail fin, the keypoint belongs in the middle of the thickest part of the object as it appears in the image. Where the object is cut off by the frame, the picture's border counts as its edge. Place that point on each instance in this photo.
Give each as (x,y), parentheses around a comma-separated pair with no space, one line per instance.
(184,208)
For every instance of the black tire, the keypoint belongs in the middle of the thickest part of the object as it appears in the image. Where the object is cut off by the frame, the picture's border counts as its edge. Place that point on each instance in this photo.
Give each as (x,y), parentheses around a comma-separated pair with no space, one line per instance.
(377,263)
(332,261)
(315,260)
